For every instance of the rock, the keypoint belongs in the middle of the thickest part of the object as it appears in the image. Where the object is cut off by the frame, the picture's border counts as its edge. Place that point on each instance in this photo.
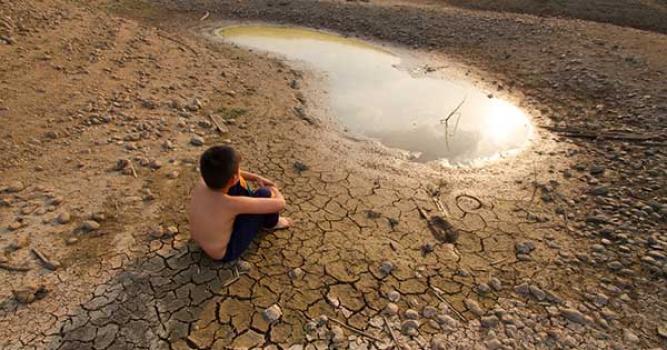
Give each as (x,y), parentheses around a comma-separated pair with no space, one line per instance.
(386,267)
(63,218)
(194,105)
(16,186)
(272,314)
(155,164)
(337,335)
(483,288)
(393,296)
(537,292)
(409,327)
(573,315)
(524,247)
(489,321)
(600,191)
(630,337)
(429,312)
(121,164)
(71,240)
(495,283)
(391,309)
(493,344)
(173,174)
(90,225)
(14,226)
(615,265)
(473,307)
(296,274)
(411,314)
(447,320)
(29,294)
(197,141)
(662,331)
(243,266)
(597,169)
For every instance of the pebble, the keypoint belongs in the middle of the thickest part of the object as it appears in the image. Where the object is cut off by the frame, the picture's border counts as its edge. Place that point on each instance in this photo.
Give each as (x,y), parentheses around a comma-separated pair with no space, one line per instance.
(391,309)
(29,294)
(483,288)
(90,225)
(629,336)
(473,307)
(409,327)
(64,218)
(411,314)
(197,141)
(71,241)
(489,321)
(393,296)
(155,164)
(296,274)
(537,292)
(244,266)
(662,331)
(337,335)
(386,267)
(173,174)
(429,312)
(573,315)
(524,247)
(495,283)
(272,314)
(493,344)
(16,186)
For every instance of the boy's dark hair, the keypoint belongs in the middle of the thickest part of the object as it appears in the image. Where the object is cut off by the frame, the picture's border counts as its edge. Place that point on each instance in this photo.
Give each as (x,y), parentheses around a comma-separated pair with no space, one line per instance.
(218,165)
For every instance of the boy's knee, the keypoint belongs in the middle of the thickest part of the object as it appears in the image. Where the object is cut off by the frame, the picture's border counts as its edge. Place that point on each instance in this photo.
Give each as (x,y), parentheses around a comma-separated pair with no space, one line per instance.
(263,192)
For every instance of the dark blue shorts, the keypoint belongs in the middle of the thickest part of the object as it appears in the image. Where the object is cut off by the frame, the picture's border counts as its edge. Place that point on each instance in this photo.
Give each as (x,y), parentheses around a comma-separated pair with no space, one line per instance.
(247,226)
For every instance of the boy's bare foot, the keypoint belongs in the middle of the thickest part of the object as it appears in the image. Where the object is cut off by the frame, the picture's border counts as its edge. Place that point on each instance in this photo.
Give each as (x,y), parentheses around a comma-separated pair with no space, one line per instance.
(282,224)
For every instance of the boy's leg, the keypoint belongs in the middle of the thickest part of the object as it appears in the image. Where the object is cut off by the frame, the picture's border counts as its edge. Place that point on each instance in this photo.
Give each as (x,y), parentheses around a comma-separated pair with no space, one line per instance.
(246,227)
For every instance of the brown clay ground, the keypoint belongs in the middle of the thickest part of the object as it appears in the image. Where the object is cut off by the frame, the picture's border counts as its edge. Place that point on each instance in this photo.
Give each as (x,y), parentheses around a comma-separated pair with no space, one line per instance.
(83,85)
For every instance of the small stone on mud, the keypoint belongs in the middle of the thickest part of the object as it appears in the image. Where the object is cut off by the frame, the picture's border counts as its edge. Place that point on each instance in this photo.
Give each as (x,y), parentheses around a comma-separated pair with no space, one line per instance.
(197,141)
(296,274)
(29,294)
(155,164)
(429,312)
(386,267)
(573,315)
(495,283)
(662,331)
(71,241)
(16,186)
(393,296)
(524,247)
(337,335)
(426,248)
(391,309)
(173,174)
(121,164)
(90,225)
(473,307)
(411,314)
(244,266)
(64,217)
(272,314)
(409,327)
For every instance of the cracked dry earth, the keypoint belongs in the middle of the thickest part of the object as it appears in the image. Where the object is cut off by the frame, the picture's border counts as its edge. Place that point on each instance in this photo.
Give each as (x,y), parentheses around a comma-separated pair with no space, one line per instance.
(104,118)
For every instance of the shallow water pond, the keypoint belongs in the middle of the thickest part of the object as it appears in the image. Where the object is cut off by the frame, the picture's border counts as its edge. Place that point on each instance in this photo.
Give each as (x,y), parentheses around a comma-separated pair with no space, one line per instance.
(437,119)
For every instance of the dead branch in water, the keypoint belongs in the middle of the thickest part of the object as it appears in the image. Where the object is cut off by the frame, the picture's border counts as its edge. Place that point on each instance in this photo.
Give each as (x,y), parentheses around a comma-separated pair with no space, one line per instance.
(445,121)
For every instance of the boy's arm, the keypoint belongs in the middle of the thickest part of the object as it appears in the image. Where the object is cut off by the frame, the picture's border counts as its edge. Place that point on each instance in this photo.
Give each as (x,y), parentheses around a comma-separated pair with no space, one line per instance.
(249,205)
(256,178)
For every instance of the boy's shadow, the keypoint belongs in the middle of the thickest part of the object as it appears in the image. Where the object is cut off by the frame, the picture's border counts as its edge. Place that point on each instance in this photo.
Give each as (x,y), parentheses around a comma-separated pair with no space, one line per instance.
(154,302)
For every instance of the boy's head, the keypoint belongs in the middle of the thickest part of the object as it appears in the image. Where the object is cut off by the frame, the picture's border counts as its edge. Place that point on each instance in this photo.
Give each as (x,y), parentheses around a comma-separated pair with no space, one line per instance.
(219,166)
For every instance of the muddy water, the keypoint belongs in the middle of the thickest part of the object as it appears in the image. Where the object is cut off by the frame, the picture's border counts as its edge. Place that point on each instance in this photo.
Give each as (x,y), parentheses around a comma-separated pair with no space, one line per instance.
(370,94)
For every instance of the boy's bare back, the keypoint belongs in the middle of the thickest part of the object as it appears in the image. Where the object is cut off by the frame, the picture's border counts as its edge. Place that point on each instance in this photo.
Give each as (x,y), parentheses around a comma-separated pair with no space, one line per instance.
(211,220)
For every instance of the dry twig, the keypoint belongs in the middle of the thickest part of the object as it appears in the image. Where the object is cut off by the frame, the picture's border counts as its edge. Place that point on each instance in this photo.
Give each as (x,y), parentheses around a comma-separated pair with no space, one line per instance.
(444,300)
(358,331)
(391,332)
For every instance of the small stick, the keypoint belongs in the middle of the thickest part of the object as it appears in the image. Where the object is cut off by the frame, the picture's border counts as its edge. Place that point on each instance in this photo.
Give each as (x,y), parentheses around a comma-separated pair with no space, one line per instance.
(442,298)
(48,263)
(134,172)
(498,261)
(358,331)
(391,332)
(177,42)
(231,281)
(205,16)
(217,125)
(13,268)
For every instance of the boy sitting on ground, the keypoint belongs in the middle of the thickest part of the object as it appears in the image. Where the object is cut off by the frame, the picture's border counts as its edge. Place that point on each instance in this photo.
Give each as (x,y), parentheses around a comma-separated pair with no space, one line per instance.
(225,214)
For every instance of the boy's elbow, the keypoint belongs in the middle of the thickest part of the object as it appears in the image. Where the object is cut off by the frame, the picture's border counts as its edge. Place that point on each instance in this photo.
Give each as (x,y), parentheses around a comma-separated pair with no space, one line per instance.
(282,204)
